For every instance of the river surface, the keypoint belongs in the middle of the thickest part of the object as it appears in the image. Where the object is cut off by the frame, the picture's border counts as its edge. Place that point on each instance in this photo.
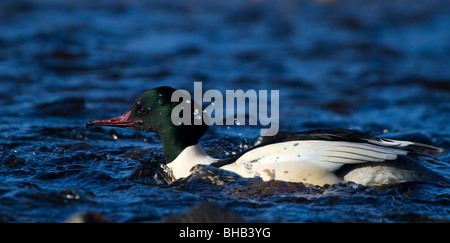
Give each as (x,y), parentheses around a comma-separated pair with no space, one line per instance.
(380,67)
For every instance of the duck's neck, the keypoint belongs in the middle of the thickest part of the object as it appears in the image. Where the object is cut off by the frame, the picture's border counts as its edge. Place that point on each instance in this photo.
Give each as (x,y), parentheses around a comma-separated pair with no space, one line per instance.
(175,139)
(172,148)
(190,156)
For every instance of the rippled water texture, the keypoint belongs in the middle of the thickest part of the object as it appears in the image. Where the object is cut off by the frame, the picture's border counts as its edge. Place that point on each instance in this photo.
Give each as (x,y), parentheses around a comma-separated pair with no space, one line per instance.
(380,67)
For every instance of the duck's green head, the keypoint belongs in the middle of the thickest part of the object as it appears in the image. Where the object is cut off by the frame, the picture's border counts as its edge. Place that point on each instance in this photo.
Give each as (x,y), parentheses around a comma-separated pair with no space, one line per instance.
(151,112)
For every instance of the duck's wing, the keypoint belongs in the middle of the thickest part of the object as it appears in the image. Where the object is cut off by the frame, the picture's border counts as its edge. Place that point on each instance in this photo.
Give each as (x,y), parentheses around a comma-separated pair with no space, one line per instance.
(330,155)
(336,146)
(349,136)
(326,135)
(314,156)
(308,161)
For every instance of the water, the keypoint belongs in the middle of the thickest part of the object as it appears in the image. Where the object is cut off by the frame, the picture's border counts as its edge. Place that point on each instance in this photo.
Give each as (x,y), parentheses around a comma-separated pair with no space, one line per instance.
(376,66)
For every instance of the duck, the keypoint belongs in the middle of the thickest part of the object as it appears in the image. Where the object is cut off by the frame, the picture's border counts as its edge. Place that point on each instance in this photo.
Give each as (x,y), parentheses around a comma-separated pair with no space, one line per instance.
(318,157)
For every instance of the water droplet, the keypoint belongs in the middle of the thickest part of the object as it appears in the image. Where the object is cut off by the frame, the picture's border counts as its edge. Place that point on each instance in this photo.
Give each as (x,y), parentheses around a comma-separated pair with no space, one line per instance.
(243,146)
(237,122)
(188,101)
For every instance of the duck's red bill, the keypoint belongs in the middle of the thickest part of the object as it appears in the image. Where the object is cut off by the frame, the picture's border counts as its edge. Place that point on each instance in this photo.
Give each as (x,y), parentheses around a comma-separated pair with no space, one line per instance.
(121,121)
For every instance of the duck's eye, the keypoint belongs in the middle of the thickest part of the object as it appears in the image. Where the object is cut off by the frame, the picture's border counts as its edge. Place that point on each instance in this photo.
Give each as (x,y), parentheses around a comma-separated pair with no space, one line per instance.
(143,110)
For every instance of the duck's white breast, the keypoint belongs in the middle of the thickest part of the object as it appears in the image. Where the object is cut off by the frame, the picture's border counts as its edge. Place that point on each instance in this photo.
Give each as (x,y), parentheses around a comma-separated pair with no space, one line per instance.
(192,155)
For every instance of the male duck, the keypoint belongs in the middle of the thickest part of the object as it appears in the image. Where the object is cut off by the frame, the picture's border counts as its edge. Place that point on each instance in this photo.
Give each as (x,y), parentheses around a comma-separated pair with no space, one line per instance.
(316,157)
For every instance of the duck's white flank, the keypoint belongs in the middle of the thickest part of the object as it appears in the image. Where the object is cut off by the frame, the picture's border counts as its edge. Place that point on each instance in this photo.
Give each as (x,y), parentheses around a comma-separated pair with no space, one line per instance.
(310,161)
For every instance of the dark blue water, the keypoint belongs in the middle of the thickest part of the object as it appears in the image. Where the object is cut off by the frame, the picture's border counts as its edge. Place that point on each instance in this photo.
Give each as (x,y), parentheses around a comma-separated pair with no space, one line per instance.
(380,67)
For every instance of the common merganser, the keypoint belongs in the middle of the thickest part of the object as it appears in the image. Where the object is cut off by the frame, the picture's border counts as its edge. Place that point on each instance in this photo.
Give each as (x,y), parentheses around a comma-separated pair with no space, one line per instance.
(316,157)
